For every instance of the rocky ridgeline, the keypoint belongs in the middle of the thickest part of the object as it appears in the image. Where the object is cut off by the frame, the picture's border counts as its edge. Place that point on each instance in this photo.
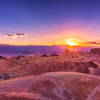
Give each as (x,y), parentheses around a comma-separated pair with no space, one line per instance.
(16,68)
(37,65)
(95,51)
(52,86)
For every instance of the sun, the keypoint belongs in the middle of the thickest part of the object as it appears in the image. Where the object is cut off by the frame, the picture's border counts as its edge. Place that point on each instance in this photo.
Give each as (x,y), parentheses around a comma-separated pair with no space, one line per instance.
(72,42)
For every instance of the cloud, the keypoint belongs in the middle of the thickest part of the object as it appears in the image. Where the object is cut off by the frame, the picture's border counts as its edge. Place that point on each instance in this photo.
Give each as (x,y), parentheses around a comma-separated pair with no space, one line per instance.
(92,43)
(16,35)
(11,35)
(21,34)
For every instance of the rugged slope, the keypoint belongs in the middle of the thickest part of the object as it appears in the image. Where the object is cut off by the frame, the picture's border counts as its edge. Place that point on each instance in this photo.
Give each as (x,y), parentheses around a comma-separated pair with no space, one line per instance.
(13,67)
(52,86)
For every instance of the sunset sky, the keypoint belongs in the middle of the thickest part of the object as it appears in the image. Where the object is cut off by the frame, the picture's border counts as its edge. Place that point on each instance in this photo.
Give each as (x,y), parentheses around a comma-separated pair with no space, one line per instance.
(48,22)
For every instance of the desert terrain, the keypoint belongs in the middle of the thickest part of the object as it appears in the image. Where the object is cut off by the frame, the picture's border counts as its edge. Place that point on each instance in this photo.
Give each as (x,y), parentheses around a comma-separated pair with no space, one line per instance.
(69,76)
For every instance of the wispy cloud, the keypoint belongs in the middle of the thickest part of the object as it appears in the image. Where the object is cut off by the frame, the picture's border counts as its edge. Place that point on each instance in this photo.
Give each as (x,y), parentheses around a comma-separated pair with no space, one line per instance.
(16,35)
(92,43)
(21,34)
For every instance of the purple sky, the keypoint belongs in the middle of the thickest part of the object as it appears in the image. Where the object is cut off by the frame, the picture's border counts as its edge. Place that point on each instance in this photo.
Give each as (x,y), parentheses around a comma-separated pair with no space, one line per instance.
(49,21)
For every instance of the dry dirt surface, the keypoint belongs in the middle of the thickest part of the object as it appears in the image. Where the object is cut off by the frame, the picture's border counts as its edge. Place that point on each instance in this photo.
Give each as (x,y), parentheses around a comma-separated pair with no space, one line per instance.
(52,86)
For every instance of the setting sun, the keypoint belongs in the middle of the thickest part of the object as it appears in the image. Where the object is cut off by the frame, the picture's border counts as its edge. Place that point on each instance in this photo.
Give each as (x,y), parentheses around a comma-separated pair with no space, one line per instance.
(72,42)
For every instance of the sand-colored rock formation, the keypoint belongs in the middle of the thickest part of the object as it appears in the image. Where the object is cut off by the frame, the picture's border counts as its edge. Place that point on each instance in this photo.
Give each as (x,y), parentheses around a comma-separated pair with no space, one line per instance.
(52,86)
(39,65)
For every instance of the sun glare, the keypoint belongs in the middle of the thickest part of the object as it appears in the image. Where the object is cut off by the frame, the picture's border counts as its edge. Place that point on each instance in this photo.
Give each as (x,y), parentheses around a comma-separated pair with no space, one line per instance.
(72,42)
